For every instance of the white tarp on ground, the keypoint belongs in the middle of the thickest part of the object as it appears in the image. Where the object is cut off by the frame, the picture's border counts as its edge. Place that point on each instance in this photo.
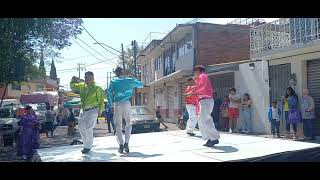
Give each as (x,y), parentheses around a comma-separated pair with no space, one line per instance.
(174,146)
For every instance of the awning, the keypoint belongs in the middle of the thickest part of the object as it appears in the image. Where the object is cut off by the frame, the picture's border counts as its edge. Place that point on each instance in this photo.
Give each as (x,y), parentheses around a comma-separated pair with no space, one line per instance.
(173,76)
(220,68)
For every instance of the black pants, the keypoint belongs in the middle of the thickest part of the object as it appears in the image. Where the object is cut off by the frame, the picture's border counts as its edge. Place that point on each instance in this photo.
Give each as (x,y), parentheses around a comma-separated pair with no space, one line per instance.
(216,120)
(275,126)
(109,127)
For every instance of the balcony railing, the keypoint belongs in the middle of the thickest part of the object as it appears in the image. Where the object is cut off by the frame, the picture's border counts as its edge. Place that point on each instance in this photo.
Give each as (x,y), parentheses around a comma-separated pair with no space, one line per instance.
(284,32)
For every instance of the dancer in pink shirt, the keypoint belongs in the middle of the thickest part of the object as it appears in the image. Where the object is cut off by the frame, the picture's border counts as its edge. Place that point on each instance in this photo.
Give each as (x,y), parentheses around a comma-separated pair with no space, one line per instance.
(205,105)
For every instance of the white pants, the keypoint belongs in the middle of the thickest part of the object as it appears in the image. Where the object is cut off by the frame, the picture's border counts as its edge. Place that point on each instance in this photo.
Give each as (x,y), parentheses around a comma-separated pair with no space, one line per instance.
(122,110)
(192,121)
(87,122)
(205,121)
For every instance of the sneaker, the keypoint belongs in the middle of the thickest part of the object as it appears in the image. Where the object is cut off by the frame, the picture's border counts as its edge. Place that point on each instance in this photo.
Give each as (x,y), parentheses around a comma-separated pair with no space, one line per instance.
(207,143)
(120,149)
(126,147)
(278,136)
(294,137)
(212,143)
(230,130)
(243,131)
(191,134)
(246,131)
(85,151)
(274,136)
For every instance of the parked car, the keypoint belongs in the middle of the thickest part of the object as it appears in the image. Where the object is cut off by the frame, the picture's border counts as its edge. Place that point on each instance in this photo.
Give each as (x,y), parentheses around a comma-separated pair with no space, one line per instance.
(143,119)
(8,124)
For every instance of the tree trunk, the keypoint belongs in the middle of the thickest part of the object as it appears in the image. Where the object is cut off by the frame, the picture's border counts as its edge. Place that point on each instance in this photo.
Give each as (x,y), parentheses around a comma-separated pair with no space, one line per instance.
(4,93)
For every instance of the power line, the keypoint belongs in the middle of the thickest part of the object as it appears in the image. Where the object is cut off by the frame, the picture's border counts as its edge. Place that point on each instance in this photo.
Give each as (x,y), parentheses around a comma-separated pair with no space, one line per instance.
(93,54)
(96,40)
(101,61)
(62,70)
(76,58)
(92,48)
(68,71)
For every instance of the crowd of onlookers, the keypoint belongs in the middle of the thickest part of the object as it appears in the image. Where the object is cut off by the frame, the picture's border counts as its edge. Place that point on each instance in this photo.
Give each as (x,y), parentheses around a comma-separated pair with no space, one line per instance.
(235,109)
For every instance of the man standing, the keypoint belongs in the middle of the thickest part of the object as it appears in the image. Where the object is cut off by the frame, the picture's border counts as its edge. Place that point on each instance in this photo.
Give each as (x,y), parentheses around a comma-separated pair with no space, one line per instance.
(308,114)
(215,114)
(204,92)
(159,117)
(92,103)
(109,115)
(233,111)
(191,102)
(119,93)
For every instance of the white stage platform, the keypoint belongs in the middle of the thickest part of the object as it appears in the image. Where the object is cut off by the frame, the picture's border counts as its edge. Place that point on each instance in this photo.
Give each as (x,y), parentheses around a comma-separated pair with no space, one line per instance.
(174,146)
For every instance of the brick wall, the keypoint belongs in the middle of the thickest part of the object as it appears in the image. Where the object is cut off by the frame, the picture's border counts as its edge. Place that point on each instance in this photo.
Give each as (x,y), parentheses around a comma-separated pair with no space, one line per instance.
(222,43)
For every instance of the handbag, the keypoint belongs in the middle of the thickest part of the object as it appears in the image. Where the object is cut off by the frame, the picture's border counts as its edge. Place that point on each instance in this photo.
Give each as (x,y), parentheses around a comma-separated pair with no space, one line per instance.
(295,116)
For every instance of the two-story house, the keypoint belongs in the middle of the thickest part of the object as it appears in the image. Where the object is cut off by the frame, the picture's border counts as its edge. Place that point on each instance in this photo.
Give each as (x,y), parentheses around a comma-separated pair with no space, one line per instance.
(166,64)
(290,49)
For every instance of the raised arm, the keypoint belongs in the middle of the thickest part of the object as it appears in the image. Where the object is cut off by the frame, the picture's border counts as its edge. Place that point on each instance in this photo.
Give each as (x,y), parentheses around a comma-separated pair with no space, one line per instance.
(76,84)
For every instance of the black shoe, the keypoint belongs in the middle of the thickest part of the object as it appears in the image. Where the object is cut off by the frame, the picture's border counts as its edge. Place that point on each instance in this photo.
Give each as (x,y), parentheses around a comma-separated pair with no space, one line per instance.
(126,147)
(191,134)
(120,149)
(207,143)
(212,143)
(85,151)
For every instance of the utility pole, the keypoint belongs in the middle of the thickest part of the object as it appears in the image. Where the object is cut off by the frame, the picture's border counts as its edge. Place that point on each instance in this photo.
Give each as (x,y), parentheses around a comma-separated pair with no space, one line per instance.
(134,46)
(79,68)
(107,79)
(122,53)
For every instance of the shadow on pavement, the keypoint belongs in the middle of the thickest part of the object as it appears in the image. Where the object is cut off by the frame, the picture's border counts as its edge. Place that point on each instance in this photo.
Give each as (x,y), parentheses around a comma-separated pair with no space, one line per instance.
(225,149)
(138,154)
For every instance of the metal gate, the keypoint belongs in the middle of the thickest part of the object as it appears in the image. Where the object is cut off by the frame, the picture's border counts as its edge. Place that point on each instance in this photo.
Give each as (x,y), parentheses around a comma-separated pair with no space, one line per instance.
(183,86)
(313,68)
(279,78)
(170,101)
(222,83)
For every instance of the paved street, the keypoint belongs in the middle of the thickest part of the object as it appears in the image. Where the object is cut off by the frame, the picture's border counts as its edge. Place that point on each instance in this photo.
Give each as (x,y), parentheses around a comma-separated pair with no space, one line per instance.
(61,138)
(175,146)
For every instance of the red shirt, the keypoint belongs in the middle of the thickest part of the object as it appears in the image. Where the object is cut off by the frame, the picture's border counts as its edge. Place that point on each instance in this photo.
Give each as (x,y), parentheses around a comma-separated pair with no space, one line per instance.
(191,99)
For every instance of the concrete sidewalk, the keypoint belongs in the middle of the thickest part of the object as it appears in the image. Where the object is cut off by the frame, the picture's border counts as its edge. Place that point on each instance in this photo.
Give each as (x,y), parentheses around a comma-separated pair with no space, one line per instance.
(174,146)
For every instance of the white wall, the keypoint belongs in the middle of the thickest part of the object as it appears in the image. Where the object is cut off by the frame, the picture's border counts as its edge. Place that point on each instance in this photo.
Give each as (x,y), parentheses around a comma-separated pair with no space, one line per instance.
(256,83)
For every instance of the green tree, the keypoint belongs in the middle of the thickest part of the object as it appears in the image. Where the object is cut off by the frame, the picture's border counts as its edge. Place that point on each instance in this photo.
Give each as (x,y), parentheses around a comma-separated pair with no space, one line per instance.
(128,59)
(24,40)
(42,69)
(53,71)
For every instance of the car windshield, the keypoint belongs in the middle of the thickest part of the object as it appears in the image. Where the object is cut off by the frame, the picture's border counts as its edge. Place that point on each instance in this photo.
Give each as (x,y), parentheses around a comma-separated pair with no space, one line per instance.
(41,107)
(38,107)
(140,111)
(7,113)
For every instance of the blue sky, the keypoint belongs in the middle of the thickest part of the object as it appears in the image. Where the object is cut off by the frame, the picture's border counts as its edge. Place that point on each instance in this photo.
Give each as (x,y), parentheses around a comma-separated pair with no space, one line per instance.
(113,32)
